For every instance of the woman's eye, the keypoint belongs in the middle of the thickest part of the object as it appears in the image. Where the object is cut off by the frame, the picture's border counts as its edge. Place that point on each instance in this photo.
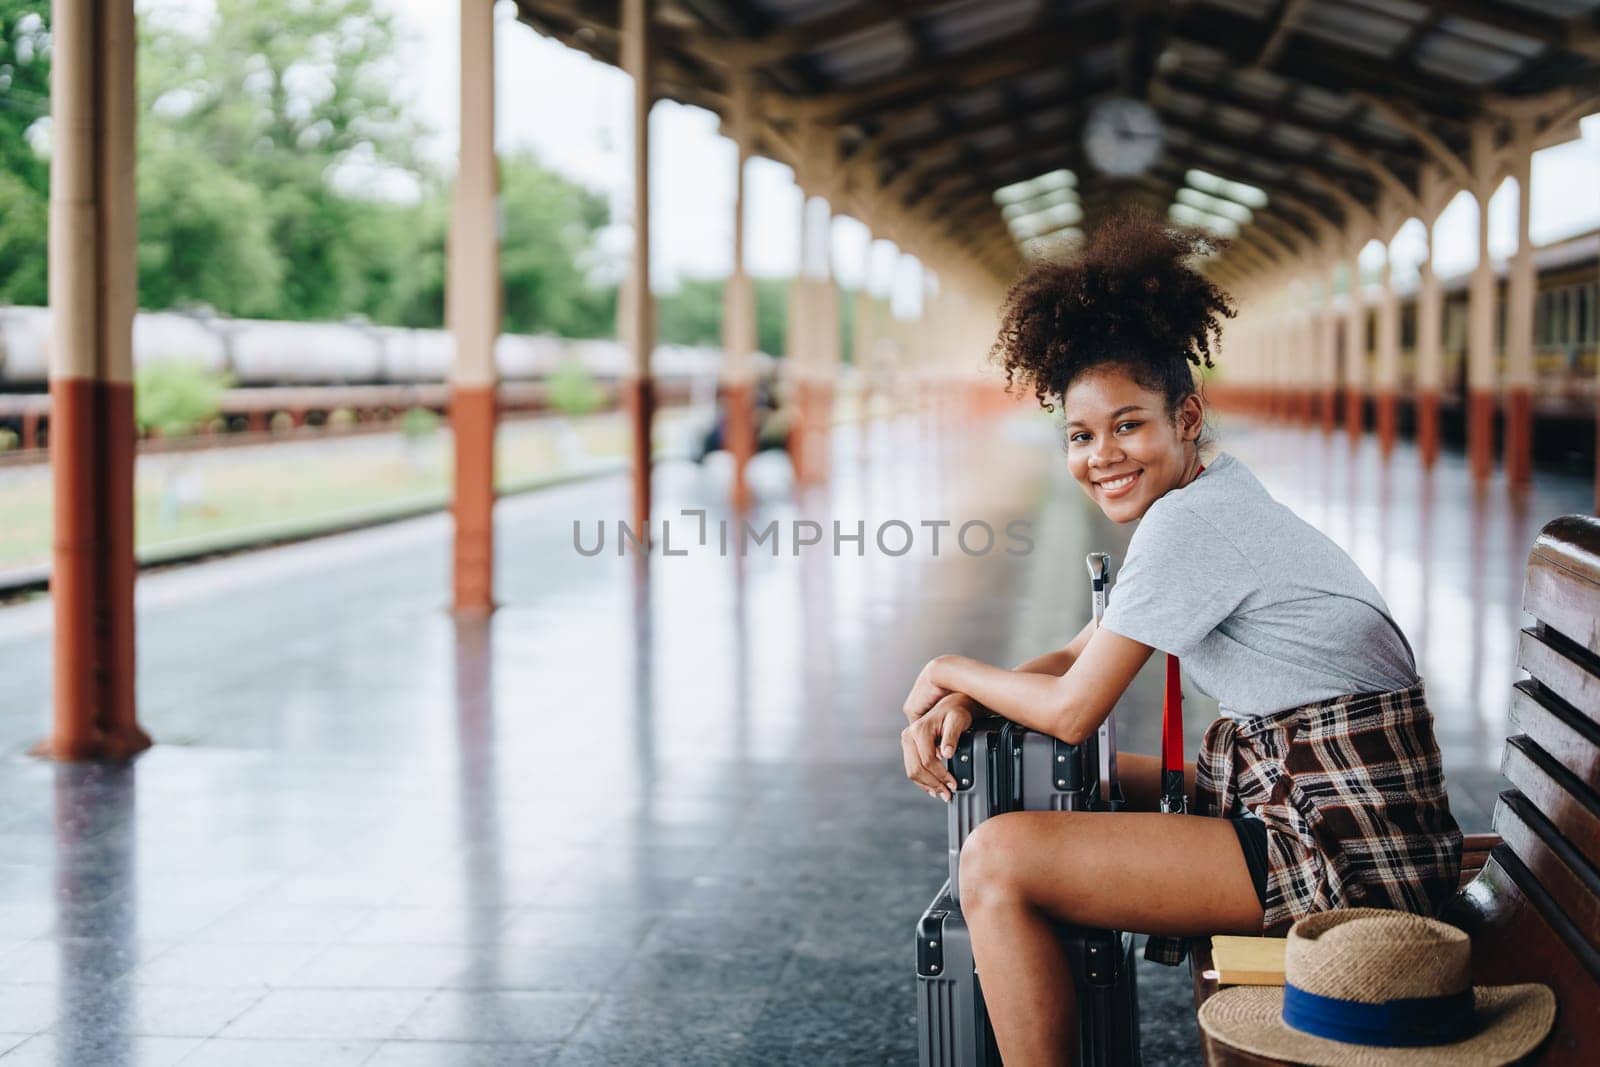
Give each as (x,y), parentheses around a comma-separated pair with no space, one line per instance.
(1127,424)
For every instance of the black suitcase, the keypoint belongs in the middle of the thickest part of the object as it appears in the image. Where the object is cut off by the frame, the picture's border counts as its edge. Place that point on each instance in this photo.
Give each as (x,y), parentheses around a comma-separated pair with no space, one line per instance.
(953,1024)
(1002,766)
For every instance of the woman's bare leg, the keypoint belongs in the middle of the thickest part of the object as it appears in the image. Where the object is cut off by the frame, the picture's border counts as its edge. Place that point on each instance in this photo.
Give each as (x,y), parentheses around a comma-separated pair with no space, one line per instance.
(1022,871)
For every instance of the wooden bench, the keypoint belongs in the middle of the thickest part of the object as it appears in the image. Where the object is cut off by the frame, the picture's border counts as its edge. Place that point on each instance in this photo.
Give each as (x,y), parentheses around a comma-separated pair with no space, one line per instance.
(1530,893)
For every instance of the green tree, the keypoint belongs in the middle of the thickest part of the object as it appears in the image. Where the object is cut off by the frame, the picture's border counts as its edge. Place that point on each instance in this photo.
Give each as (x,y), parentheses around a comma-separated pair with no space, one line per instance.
(281,94)
(847,325)
(24,229)
(24,88)
(772,314)
(573,391)
(692,313)
(203,235)
(399,253)
(259,130)
(174,396)
(283,88)
(548,230)
(24,174)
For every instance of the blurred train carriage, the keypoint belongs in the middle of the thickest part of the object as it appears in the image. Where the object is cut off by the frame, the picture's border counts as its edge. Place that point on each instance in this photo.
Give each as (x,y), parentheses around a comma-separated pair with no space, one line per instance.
(1565,331)
(300,372)
(1566,336)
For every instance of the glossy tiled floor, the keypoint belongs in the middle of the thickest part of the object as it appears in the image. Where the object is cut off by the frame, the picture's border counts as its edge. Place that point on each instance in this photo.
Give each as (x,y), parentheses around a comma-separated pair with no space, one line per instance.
(632,820)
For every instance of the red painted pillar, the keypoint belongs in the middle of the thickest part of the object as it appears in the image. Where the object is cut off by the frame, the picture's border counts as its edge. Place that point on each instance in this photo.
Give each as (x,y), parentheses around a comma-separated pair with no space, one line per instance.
(1388,421)
(798,414)
(1480,433)
(1428,426)
(639,400)
(739,400)
(819,441)
(473,419)
(809,434)
(92,578)
(1354,414)
(1519,436)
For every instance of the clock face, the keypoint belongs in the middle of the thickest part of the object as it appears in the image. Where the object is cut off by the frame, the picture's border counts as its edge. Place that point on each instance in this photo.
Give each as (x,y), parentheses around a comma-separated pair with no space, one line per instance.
(1122,137)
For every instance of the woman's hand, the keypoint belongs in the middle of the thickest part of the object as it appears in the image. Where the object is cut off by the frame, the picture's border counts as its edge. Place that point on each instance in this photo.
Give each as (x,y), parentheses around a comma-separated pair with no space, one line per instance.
(924,744)
(924,694)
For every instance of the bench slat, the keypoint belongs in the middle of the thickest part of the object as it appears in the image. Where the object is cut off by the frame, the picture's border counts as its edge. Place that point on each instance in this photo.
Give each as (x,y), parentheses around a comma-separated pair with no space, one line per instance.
(1516,938)
(1569,880)
(1475,849)
(1563,734)
(1509,919)
(1552,661)
(1570,807)
(1563,579)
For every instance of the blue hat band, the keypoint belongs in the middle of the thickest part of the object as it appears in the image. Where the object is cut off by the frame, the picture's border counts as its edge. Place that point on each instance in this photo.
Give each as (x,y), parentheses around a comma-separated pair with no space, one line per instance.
(1415,1021)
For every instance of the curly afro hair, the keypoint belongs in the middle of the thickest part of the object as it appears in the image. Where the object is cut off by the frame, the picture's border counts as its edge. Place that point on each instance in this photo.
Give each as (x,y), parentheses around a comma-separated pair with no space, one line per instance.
(1129,297)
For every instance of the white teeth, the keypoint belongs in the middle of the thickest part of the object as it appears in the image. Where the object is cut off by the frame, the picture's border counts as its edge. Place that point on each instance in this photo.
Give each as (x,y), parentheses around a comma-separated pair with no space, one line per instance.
(1117,483)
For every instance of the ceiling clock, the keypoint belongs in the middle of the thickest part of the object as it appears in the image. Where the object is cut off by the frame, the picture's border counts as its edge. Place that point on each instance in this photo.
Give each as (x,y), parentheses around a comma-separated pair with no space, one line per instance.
(1122,137)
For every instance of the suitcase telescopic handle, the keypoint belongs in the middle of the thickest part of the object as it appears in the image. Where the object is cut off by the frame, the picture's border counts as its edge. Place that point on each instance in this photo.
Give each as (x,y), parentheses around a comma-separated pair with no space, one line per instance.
(1099,574)
(1099,564)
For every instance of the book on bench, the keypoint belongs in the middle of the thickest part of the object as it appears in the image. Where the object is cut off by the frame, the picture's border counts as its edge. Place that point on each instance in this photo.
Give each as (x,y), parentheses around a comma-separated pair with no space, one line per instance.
(1247,960)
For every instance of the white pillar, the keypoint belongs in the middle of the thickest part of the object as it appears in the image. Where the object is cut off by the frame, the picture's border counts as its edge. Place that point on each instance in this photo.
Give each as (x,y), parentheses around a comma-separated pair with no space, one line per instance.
(1355,346)
(637,302)
(1520,369)
(739,310)
(1482,374)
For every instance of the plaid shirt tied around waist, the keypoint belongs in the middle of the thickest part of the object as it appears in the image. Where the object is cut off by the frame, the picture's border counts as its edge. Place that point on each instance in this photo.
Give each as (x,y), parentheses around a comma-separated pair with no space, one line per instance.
(1352,793)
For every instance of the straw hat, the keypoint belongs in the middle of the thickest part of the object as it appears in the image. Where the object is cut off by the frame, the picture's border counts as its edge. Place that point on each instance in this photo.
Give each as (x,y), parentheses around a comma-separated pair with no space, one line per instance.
(1370,987)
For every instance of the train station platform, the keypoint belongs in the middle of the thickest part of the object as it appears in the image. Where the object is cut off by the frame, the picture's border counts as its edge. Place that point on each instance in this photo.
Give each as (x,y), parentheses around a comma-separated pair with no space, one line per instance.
(636,817)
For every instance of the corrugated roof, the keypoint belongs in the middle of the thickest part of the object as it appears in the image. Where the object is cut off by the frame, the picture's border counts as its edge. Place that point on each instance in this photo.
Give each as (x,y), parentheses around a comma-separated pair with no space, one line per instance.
(938,103)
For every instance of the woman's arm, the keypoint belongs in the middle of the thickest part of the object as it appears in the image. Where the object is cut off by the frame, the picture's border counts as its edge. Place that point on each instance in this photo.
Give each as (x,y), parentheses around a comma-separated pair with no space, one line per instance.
(1070,706)
(1056,663)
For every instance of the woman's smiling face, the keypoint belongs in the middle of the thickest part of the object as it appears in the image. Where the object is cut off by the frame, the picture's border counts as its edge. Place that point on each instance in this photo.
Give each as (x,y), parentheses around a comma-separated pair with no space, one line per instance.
(1122,446)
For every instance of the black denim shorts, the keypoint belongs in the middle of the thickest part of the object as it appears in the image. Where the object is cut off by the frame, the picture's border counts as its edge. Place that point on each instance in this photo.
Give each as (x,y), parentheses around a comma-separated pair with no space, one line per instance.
(1253,839)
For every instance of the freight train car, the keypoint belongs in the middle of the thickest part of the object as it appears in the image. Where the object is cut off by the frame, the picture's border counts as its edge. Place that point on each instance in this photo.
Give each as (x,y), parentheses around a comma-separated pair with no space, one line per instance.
(288,373)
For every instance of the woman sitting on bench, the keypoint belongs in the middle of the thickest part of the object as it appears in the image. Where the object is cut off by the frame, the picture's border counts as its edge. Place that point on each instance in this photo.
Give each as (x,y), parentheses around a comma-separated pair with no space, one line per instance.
(1323,768)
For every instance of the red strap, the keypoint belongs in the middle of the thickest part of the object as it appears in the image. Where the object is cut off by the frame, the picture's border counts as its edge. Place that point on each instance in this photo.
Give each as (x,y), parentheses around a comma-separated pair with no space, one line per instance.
(1172,720)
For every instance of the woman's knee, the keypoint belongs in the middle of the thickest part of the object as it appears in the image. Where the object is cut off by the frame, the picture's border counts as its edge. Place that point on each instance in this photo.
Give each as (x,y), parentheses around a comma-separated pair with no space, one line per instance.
(990,871)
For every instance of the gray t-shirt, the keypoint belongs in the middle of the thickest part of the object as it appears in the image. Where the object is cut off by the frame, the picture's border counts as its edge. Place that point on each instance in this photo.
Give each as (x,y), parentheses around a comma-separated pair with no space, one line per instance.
(1264,611)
